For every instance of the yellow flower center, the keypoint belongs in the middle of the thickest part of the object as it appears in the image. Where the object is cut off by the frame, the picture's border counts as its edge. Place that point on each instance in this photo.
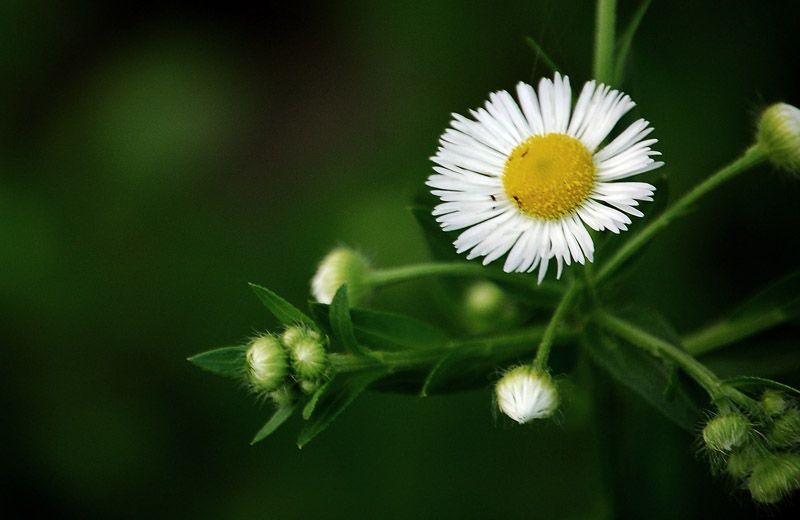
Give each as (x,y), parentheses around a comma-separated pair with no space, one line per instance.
(549,176)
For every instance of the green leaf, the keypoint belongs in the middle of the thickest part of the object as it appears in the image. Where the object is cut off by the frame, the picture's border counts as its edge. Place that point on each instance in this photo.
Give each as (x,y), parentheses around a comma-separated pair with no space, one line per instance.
(388,331)
(308,409)
(341,324)
(226,361)
(624,43)
(284,311)
(472,364)
(278,418)
(541,54)
(344,388)
(645,374)
(750,382)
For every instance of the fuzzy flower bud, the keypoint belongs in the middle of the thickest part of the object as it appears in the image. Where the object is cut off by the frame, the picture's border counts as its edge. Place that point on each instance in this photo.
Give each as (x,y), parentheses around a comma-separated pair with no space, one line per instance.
(306,351)
(724,432)
(525,393)
(779,136)
(772,402)
(741,463)
(785,430)
(283,396)
(266,363)
(774,477)
(340,266)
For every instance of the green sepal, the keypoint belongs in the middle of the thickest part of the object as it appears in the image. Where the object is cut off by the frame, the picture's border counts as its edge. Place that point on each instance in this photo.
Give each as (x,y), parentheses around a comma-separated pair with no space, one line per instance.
(342,325)
(344,388)
(283,311)
(226,361)
(388,331)
(278,418)
(645,374)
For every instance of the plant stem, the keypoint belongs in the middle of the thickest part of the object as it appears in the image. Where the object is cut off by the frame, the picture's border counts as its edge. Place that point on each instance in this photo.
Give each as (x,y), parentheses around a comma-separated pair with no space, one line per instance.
(383,277)
(659,348)
(752,157)
(724,333)
(540,361)
(422,358)
(604,40)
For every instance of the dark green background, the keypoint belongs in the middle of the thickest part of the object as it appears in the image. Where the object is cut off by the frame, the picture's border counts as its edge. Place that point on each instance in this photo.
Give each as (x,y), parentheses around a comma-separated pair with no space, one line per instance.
(156,156)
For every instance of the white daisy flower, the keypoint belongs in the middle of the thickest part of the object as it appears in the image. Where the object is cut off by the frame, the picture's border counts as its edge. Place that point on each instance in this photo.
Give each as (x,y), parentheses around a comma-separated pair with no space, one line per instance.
(526,178)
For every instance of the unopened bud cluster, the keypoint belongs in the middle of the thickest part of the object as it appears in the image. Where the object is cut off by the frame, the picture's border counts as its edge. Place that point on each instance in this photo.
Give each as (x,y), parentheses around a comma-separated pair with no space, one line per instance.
(280,367)
(760,449)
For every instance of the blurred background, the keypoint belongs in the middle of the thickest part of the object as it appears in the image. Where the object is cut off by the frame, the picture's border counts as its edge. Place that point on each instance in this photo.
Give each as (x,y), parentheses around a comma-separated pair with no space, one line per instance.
(157,156)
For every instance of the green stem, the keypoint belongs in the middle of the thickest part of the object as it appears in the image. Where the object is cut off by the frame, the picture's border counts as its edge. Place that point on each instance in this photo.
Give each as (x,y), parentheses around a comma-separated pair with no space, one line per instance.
(540,361)
(425,358)
(752,157)
(659,348)
(383,277)
(727,332)
(604,40)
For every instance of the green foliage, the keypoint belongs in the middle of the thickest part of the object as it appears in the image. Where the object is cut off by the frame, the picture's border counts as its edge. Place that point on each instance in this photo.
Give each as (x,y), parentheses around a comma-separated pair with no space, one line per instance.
(652,378)
(226,361)
(279,417)
(283,311)
(335,397)
(540,53)
(341,324)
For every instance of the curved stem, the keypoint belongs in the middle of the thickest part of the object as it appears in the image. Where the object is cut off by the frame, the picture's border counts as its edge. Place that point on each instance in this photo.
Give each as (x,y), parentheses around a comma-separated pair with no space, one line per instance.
(604,40)
(540,361)
(752,157)
(718,391)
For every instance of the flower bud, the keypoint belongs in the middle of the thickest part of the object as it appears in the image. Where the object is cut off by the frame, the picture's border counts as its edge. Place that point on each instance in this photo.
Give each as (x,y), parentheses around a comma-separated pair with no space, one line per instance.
(340,266)
(283,396)
(774,477)
(525,393)
(742,462)
(785,430)
(308,387)
(306,351)
(486,308)
(724,432)
(772,402)
(266,363)
(779,136)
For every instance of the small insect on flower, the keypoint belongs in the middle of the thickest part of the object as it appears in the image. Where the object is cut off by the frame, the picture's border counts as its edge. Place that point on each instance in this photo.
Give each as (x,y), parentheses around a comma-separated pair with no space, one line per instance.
(527,178)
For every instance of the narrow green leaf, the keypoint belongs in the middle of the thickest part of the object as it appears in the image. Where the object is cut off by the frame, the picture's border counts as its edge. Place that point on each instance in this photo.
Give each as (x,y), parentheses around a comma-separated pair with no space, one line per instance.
(278,418)
(308,409)
(644,374)
(472,364)
(338,395)
(226,361)
(625,41)
(341,323)
(284,311)
(541,54)
(751,382)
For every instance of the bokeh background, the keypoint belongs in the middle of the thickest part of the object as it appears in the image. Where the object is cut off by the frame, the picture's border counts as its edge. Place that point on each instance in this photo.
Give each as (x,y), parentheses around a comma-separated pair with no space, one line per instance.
(156,156)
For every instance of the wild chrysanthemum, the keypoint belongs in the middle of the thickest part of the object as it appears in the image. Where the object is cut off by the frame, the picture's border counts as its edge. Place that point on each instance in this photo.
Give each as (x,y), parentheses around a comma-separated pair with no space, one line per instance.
(526,178)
